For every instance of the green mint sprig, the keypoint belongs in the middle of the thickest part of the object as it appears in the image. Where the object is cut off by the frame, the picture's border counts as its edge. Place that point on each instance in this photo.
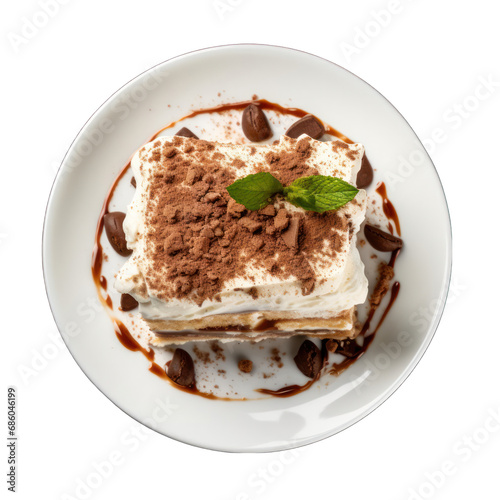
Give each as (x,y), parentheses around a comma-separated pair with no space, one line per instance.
(317,193)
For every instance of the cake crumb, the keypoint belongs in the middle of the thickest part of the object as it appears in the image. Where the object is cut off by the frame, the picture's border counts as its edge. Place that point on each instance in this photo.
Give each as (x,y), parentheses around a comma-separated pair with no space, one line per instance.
(276,357)
(386,273)
(245,365)
(203,356)
(331,345)
(218,350)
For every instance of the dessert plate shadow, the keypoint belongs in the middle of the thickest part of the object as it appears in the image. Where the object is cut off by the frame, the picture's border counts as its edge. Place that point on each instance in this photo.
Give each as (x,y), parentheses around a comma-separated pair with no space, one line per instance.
(203,79)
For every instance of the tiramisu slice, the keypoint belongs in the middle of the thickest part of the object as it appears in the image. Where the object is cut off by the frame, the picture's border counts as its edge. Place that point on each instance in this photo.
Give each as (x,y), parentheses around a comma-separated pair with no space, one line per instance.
(204,267)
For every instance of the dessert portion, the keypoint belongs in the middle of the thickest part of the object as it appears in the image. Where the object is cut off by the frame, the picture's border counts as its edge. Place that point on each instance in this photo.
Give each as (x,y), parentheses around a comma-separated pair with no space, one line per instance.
(197,250)
(203,267)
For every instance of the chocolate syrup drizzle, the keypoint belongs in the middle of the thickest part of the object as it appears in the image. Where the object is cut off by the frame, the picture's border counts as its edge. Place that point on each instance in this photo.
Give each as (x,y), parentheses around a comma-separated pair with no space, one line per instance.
(388,207)
(338,368)
(126,338)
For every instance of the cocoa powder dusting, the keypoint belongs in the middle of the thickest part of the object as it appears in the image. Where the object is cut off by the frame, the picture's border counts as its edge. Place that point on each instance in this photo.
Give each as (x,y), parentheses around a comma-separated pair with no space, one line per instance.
(197,238)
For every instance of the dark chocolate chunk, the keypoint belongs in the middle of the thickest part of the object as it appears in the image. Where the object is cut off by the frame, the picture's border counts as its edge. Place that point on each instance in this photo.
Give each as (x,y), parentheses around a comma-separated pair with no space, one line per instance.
(309,360)
(307,125)
(113,223)
(185,132)
(348,348)
(382,241)
(181,368)
(127,302)
(365,174)
(254,124)
(291,235)
(133,182)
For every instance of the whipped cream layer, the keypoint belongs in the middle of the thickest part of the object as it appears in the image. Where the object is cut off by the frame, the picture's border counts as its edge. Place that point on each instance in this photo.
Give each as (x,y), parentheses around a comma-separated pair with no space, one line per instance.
(339,280)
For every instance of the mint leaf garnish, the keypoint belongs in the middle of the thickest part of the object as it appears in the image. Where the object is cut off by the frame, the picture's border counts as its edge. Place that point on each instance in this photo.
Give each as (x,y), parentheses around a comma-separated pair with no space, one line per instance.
(320,193)
(255,190)
(317,193)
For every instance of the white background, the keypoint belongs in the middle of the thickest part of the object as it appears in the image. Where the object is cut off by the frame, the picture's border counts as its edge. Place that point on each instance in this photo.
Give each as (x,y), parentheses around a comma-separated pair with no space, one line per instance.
(429,59)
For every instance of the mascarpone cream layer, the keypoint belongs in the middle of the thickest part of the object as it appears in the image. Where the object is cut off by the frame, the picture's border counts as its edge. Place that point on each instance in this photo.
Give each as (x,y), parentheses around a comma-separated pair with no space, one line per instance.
(340,281)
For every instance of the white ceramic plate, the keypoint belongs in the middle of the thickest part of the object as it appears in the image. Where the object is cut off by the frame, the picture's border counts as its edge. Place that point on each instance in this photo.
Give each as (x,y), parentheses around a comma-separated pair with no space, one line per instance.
(206,78)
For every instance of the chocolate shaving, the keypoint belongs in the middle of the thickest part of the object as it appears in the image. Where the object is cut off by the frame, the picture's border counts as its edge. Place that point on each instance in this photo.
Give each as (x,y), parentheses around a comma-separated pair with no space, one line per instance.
(349,348)
(254,124)
(127,302)
(309,359)
(309,125)
(382,241)
(181,368)
(113,224)
(185,132)
(365,174)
